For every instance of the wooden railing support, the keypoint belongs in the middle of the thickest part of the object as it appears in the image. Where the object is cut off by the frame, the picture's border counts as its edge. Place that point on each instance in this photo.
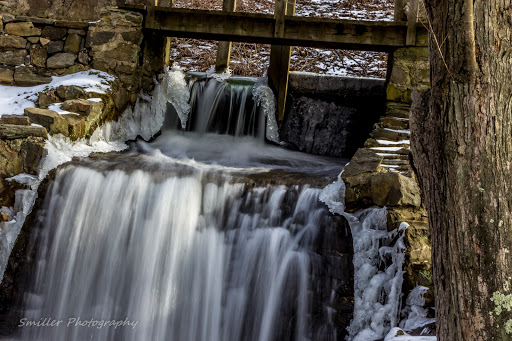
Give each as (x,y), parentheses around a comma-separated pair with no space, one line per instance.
(400,10)
(412,18)
(224,47)
(280,56)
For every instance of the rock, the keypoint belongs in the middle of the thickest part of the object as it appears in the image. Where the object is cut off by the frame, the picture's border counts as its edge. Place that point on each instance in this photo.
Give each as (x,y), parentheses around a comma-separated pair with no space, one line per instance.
(81,32)
(12,132)
(394,189)
(67,92)
(72,44)
(12,42)
(15,119)
(6,76)
(134,37)
(96,37)
(124,18)
(49,119)
(23,29)
(61,60)
(54,33)
(13,58)
(25,76)
(44,41)
(33,40)
(46,99)
(76,125)
(9,165)
(38,56)
(363,161)
(55,46)
(394,123)
(83,107)
(91,110)
(28,150)
(83,57)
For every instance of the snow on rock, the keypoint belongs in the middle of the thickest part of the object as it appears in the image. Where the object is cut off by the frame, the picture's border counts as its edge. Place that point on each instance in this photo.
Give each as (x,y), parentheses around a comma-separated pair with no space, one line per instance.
(14,99)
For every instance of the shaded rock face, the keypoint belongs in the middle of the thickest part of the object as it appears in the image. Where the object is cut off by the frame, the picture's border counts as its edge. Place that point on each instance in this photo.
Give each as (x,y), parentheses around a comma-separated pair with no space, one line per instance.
(331,122)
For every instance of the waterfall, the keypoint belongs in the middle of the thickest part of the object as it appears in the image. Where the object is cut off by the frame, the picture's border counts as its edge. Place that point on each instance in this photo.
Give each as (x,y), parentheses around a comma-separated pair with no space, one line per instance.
(201,236)
(179,251)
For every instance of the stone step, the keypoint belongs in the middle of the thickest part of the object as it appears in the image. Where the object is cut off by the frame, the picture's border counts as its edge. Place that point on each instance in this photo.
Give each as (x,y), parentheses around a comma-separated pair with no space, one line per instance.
(382,150)
(12,131)
(390,134)
(392,122)
(15,119)
(398,109)
(396,162)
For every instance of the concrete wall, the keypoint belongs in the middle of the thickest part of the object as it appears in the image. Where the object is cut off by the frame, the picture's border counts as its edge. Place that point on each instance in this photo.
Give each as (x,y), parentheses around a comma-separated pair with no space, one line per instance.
(331,115)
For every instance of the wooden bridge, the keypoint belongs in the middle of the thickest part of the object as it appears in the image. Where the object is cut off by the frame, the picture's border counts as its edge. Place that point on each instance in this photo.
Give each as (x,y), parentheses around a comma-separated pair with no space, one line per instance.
(282,30)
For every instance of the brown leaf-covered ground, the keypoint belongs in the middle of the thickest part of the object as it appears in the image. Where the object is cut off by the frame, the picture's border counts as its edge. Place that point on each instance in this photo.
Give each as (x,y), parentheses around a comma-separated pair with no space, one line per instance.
(252,59)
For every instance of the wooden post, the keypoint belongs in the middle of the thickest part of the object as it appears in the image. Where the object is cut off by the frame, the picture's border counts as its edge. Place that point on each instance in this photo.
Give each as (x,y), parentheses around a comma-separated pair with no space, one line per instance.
(279,68)
(150,17)
(412,18)
(399,10)
(168,40)
(224,47)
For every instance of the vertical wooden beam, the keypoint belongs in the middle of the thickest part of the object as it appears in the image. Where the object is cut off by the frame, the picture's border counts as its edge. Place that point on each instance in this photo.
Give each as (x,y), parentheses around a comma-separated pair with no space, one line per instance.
(279,68)
(400,10)
(412,18)
(224,47)
(168,40)
(150,17)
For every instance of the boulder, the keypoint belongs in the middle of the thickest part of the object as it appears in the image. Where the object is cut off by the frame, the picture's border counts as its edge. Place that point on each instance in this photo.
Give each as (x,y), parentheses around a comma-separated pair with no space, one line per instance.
(83,57)
(38,56)
(61,60)
(44,41)
(394,189)
(72,44)
(26,76)
(12,42)
(21,155)
(13,58)
(54,33)
(49,119)
(15,119)
(23,29)
(83,107)
(67,92)
(55,46)
(363,161)
(6,76)
(12,132)
(76,125)
(46,99)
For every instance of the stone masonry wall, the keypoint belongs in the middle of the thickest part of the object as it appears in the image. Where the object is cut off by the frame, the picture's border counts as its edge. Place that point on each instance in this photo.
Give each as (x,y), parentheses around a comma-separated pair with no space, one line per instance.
(32,50)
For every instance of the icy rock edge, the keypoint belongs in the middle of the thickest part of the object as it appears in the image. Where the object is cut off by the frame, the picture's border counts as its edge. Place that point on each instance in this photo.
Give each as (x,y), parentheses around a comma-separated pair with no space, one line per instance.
(377,292)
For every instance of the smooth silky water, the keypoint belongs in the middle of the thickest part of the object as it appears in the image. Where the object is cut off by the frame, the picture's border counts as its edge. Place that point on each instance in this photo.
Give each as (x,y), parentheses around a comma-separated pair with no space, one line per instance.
(189,237)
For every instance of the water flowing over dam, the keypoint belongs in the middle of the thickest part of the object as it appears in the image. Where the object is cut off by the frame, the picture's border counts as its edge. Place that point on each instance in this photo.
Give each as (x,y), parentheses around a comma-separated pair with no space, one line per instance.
(206,233)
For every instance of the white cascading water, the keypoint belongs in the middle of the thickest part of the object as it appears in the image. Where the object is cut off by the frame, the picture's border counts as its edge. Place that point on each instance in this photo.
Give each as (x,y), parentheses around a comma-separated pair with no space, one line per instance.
(186,258)
(192,256)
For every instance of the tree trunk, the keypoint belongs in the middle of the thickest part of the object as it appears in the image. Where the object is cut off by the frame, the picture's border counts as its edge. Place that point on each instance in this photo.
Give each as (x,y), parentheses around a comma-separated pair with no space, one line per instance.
(462,150)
